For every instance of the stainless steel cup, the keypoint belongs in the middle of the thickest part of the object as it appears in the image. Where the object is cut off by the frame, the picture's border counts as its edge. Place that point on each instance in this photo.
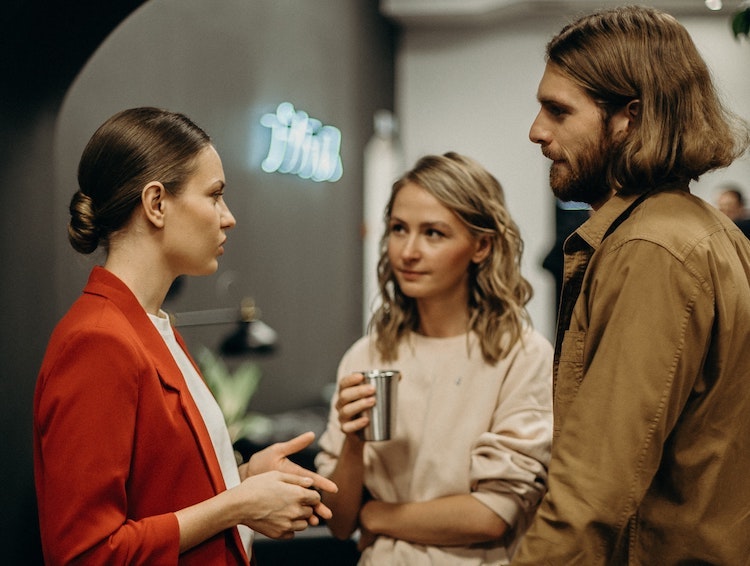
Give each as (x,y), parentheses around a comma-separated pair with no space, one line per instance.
(382,424)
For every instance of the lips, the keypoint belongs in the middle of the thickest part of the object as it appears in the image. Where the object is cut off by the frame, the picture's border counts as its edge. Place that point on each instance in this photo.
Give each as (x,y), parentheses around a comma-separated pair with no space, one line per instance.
(552,157)
(409,275)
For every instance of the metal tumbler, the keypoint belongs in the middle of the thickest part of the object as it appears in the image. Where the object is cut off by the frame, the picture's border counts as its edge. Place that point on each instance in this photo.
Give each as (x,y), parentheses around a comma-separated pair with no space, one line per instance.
(382,424)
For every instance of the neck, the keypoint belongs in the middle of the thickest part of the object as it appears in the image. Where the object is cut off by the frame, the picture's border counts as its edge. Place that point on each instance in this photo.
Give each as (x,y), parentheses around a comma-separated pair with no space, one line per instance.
(148,282)
(442,320)
(597,205)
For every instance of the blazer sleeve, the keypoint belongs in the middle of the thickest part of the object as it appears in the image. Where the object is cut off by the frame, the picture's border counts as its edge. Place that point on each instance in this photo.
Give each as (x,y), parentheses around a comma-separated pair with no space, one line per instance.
(85,421)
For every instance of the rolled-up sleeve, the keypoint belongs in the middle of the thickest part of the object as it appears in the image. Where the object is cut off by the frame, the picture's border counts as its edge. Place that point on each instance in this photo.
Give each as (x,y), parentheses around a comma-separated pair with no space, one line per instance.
(509,462)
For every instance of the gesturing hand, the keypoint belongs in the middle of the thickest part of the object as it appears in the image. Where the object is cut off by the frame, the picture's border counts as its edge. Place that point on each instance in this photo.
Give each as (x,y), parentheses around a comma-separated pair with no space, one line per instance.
(278,504)
(275,458)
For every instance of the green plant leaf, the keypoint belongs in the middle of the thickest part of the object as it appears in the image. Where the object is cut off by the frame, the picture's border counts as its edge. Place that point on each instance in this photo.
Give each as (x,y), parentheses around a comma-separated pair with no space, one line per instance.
(232,391)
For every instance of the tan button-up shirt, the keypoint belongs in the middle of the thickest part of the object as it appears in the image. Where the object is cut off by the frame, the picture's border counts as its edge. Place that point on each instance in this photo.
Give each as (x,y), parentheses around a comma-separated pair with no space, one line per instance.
(651,450)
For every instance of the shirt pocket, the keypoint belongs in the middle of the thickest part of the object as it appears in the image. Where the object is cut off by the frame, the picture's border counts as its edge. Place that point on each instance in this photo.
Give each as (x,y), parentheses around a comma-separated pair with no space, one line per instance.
(569,374)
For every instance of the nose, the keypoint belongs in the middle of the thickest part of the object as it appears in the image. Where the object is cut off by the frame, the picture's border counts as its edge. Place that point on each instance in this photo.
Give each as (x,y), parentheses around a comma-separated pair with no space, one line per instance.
(410,248)
(227,218)
(538,132)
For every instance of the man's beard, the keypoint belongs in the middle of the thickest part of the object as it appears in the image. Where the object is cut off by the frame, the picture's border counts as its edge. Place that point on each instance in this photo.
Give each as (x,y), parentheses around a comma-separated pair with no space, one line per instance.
(585,180)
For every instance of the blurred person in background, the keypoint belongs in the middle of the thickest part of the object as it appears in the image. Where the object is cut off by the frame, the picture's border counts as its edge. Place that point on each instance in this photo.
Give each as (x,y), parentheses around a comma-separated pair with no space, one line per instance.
(731,201)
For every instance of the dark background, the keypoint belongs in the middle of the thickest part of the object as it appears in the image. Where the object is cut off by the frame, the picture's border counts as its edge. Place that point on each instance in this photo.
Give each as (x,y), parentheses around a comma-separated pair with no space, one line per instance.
(44,45)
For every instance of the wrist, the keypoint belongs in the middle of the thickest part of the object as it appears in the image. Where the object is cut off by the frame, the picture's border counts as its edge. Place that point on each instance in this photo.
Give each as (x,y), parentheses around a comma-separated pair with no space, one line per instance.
(232,508)
(368,515)
(353,445)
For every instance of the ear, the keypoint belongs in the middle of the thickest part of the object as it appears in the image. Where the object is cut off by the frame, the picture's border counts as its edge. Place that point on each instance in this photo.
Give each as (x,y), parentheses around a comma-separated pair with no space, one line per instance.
(483,249)
(623,120)
(634,108)
(152,201)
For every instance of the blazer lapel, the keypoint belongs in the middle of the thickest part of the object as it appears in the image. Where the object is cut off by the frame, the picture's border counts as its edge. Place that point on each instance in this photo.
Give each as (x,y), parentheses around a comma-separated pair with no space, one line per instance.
(106,284)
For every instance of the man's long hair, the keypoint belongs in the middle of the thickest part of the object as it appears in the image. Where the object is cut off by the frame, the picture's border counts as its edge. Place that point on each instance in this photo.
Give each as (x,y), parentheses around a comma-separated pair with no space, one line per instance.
(681,129)
(497,291)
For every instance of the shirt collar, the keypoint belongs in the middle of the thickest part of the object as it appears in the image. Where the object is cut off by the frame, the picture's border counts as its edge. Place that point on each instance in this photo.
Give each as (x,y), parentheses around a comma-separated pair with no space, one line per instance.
(602,222)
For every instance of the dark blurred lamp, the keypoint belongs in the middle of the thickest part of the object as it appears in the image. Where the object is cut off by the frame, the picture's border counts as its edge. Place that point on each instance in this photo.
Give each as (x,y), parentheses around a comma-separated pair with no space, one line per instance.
(741,21)
(251,336)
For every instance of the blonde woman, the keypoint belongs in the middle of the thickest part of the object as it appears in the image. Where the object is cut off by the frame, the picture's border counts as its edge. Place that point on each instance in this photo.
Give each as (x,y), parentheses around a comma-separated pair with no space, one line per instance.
(466,469)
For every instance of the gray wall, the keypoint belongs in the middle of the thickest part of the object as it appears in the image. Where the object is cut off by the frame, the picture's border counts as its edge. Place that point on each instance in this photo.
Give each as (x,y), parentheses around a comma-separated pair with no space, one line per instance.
(296,248)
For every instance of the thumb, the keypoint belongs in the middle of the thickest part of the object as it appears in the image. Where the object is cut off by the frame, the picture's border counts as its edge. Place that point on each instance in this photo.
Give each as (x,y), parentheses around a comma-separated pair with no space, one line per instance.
(296,444)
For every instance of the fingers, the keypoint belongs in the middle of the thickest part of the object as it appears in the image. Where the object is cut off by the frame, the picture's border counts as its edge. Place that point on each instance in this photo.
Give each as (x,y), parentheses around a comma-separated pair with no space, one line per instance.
(295,479)
(309,497)
(295,444)
(312,509)
(322,511)
(290,505)
(285,533)
(311,501)
(323,484)
(354,398)
(353,387)
(351,379)
(319,482)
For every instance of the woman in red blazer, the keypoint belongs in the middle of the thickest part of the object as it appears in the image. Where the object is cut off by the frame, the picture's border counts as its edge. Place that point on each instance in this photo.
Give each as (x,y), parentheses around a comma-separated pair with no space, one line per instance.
(131,455)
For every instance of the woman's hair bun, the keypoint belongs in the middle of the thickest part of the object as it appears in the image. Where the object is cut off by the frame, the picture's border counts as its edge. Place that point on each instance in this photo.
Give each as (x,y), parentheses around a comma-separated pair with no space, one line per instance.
(82,229)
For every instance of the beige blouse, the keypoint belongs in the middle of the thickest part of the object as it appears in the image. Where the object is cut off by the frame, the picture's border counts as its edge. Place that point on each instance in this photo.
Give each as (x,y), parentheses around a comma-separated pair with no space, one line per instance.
(463,426)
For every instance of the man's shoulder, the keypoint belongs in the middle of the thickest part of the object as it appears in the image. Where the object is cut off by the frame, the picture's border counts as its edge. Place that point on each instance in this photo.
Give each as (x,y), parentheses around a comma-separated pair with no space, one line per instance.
(673,219)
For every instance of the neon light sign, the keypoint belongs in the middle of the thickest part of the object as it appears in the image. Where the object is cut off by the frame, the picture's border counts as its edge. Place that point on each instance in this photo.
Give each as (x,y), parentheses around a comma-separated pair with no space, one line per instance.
(302,146)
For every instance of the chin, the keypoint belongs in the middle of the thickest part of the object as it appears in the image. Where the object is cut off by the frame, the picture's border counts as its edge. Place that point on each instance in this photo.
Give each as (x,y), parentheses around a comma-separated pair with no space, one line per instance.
(207,270)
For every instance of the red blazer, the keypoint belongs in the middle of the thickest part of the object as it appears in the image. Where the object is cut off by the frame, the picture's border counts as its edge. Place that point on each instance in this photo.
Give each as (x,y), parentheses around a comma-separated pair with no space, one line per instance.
(119,444)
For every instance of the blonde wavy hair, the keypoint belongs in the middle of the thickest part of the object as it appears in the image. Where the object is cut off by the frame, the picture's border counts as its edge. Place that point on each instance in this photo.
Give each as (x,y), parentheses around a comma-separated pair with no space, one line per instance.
(498,293)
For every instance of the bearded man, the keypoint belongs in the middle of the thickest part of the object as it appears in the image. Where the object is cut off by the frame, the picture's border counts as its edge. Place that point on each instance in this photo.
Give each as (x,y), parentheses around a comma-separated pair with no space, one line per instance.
(651,445)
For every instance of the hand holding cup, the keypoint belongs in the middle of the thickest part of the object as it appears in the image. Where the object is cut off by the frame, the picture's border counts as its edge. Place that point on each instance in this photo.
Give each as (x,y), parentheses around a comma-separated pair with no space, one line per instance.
(367,404)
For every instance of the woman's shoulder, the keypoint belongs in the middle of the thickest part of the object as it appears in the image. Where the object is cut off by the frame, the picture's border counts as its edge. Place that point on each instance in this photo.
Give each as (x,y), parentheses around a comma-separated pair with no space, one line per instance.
(360,355)
(362,346)
(93,327)
(536,339)
(533,343)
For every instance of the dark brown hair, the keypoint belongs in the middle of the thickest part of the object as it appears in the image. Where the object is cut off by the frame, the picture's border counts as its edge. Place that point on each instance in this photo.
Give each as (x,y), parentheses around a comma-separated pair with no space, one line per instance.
(125,153)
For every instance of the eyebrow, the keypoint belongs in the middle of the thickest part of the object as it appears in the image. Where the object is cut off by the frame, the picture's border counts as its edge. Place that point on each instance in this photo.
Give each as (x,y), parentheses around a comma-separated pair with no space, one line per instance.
(428,224)
(551,101)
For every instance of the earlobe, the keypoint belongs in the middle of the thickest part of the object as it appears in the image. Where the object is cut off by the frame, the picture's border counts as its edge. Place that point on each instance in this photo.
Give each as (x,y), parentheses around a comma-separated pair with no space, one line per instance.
(152,201)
